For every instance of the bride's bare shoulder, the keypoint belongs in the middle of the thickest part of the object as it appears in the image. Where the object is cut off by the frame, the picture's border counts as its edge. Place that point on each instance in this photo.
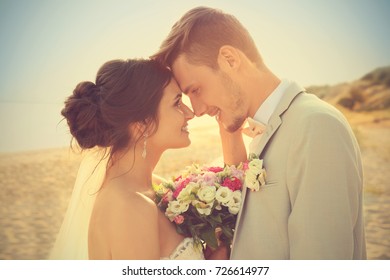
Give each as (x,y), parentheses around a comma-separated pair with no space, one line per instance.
(126,198)
(124,218)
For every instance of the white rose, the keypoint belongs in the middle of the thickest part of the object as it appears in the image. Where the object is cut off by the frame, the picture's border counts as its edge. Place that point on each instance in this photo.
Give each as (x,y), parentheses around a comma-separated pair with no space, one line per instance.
(207,193)
(256,164)
(192,188)
(177,207)
(185,194)
(236,197)
(251,180)
(171,216)
(261,177)
(235,203)
(203,208)
(223,195)
(234,208)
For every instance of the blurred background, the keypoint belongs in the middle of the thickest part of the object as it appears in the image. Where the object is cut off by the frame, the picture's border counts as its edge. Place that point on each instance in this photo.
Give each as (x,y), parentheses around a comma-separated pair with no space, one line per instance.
(338,50)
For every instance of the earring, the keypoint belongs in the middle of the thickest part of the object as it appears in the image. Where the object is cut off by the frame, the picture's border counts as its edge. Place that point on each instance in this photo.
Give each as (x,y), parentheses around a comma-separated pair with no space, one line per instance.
(144,150)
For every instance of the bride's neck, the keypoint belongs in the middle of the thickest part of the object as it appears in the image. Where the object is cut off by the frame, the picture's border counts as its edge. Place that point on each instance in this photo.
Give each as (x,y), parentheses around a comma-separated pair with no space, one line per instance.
(130,165)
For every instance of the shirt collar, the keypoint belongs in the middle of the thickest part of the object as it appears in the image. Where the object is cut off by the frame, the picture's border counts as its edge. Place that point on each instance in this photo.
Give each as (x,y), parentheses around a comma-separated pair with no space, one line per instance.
(269,105)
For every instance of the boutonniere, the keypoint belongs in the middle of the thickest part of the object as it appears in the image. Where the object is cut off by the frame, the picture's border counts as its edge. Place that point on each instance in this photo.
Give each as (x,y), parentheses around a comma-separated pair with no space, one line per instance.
(255,174)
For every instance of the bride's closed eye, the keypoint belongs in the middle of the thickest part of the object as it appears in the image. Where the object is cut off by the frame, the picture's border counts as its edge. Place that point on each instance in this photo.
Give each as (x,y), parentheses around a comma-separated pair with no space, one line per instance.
(178,103)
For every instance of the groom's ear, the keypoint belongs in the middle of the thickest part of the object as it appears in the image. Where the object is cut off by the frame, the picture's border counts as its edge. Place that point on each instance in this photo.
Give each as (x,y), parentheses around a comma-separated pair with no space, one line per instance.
(228,58)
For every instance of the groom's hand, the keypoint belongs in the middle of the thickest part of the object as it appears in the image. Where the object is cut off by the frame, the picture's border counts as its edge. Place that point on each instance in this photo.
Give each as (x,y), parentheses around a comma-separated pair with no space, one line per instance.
(233,146)
(221,253)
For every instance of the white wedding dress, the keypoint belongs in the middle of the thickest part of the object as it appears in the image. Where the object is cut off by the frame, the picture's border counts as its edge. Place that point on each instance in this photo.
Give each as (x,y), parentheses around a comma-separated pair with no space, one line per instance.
(186,250)
(72,239)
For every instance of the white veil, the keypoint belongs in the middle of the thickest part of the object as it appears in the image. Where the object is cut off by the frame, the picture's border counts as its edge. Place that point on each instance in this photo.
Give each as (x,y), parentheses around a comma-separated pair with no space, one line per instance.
(72,239)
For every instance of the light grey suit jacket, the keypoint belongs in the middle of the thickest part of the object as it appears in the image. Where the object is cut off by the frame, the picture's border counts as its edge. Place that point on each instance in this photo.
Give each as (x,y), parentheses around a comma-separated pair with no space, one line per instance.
(311,205)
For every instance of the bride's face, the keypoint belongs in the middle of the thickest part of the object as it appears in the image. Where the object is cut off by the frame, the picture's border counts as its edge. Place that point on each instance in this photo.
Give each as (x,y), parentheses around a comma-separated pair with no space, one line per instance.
(172,131)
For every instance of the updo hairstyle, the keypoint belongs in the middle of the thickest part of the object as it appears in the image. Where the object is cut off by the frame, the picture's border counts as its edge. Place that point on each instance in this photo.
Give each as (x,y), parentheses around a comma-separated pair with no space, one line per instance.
(125,92)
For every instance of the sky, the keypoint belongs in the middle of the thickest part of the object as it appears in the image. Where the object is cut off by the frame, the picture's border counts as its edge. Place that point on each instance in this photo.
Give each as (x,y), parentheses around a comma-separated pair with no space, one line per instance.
(47,47)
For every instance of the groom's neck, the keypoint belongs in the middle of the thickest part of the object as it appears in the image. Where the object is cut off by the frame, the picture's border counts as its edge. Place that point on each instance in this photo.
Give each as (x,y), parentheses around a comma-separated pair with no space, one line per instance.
(263,83)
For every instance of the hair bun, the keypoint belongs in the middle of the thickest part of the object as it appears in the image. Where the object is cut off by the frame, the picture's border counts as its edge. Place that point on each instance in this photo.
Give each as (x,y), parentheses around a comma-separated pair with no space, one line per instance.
(87,91)
(82,112)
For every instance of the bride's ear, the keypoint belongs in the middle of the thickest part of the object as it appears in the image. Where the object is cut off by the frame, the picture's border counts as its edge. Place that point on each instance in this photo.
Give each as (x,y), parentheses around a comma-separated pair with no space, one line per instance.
(135,130)
(140,129)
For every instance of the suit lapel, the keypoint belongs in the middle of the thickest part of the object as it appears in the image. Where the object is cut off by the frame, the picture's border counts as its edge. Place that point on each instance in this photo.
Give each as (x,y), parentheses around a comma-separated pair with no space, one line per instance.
(274,123)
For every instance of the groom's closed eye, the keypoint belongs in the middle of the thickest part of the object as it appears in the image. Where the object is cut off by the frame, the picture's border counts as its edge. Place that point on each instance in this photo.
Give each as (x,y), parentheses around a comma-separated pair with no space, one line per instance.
(187,90)
(195,91)
(192,91)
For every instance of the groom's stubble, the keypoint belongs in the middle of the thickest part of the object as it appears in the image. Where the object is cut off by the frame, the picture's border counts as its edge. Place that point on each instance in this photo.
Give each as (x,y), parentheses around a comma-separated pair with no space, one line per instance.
(235,94)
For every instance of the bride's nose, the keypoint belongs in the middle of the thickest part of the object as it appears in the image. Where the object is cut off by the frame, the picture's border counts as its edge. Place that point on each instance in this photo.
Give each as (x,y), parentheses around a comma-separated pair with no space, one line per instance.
(188,114)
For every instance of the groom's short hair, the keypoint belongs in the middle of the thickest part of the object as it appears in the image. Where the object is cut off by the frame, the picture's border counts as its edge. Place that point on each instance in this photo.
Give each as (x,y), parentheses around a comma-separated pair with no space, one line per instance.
(199,35)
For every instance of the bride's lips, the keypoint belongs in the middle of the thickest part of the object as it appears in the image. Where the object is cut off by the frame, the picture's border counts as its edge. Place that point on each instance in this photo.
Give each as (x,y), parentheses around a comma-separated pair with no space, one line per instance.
(185,128)
(217,116)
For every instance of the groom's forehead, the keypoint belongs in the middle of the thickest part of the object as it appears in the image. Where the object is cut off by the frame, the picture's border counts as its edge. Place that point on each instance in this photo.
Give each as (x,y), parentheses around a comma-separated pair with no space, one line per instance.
(182,74)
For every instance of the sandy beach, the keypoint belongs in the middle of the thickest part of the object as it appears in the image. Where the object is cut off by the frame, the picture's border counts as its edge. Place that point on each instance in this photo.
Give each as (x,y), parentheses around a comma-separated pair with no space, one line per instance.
(35,187)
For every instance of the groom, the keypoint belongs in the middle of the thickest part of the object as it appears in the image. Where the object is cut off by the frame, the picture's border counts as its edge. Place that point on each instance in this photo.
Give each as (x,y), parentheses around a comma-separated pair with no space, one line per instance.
(311,204)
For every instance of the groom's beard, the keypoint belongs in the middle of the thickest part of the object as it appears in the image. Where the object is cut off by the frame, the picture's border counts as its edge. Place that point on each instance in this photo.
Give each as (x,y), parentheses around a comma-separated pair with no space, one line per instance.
(237,124)
(236,109)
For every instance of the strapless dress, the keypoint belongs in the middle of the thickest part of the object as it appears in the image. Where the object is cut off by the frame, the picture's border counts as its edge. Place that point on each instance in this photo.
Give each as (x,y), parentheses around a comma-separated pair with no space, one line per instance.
(186,250)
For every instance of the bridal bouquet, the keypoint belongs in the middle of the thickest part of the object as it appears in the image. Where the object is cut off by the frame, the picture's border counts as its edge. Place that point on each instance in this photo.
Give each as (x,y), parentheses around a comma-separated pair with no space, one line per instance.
(203,200)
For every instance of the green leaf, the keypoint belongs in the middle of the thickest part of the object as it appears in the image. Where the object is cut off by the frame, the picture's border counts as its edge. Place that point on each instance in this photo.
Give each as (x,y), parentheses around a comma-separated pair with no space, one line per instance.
(209,237)
(228,232)
(217,218)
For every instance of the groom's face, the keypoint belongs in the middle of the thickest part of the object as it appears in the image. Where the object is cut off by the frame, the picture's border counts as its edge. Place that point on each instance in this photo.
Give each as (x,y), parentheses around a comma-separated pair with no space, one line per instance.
(211,92)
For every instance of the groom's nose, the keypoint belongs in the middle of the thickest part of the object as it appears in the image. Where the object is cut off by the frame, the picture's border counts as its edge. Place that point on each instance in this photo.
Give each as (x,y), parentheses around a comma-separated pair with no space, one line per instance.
(198,107)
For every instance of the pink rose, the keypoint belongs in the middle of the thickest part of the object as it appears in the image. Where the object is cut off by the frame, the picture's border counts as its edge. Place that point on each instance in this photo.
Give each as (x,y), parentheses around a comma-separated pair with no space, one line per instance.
(181,186)
(167,197)
(209,178)
(234,183)
(178,178)
(215,169)
(238,173)
(179,219)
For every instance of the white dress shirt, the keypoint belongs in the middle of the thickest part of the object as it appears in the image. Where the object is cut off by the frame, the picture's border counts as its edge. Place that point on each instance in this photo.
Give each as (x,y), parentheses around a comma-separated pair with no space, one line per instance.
(266,109)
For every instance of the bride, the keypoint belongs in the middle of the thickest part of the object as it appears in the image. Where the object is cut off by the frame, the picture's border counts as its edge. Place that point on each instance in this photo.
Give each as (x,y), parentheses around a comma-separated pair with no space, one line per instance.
(125,121)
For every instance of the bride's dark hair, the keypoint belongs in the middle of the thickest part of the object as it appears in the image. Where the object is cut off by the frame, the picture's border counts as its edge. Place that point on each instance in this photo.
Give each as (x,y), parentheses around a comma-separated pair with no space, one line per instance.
(125,92)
